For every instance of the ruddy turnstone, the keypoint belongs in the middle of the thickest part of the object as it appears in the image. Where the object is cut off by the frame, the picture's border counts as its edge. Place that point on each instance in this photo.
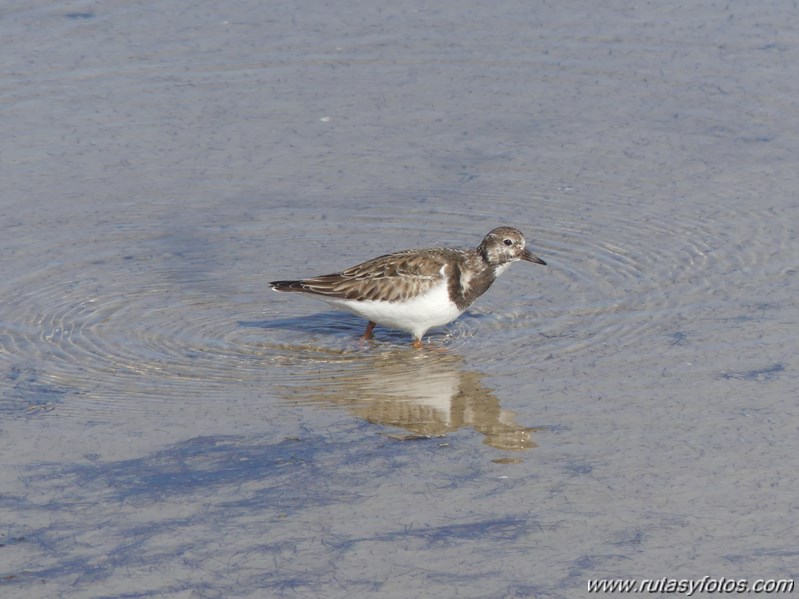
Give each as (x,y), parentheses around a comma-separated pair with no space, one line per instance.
(416,290)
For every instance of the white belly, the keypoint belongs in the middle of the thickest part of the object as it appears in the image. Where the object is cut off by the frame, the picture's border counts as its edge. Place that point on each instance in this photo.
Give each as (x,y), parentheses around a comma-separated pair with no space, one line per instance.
(415,316)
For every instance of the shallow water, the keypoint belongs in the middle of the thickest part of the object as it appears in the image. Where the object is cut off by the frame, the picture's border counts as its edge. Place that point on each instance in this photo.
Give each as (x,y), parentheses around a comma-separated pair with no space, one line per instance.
(170,427)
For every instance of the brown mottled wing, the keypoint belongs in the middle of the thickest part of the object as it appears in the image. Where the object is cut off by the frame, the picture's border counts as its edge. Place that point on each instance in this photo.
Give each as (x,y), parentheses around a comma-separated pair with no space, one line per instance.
(393,277)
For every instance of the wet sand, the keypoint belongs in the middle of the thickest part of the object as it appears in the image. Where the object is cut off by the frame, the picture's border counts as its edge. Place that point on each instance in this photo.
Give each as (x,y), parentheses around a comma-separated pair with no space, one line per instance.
(172,428)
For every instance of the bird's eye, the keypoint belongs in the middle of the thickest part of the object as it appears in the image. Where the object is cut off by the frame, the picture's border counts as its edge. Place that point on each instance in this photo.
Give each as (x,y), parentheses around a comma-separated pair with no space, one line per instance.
(508,242)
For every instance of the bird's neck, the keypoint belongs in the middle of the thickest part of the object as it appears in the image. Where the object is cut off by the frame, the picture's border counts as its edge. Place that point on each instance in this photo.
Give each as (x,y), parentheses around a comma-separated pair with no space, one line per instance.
(471,279)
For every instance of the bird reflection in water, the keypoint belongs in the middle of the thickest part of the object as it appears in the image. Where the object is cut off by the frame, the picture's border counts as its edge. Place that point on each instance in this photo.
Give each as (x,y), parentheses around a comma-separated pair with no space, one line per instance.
(428,394)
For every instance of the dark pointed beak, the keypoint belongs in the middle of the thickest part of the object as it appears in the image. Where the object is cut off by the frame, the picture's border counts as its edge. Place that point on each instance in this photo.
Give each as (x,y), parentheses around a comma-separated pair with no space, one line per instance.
(531,257)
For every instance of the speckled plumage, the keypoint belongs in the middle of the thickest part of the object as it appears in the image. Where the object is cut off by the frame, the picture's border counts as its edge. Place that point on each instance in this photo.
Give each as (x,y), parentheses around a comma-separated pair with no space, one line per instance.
(415,290)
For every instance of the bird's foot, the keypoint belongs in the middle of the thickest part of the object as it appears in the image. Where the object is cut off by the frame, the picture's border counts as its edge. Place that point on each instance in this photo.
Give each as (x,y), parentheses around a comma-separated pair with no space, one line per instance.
(367,334)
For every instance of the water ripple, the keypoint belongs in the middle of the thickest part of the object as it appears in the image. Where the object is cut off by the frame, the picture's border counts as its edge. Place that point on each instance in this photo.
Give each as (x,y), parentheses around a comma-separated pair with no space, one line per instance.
(187,312)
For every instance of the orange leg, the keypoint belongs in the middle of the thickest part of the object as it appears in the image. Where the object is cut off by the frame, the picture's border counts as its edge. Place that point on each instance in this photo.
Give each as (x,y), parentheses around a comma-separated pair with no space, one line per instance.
(368,332)
(417,343)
